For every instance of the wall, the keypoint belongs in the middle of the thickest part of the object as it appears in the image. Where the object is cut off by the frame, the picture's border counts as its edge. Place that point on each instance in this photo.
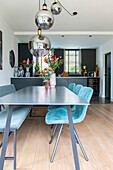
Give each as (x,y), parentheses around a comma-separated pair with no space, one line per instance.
(100,60)
(9,42)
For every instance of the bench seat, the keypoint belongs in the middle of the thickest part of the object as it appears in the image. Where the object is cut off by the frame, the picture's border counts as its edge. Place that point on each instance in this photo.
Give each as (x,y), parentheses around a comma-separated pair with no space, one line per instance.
(19,114)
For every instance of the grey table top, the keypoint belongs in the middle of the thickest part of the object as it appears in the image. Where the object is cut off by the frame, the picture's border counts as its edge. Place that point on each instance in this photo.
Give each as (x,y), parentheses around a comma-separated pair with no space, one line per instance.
(38,95)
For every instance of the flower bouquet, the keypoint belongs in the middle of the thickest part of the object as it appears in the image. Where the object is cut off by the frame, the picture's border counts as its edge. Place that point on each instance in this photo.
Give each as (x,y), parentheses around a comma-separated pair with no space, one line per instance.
(28,63)
(53,62)
(46,73)
(37,69)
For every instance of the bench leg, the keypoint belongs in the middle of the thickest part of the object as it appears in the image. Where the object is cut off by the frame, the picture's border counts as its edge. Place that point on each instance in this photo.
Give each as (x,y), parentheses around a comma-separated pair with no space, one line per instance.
(14,149)
(5,139)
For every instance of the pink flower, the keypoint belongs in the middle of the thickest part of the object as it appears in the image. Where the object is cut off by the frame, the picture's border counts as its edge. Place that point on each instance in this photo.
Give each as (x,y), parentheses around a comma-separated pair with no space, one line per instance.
(27,60)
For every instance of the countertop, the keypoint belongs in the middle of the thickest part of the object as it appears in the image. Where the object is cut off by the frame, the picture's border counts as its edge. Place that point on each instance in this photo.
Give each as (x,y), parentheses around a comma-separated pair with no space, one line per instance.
(56,77)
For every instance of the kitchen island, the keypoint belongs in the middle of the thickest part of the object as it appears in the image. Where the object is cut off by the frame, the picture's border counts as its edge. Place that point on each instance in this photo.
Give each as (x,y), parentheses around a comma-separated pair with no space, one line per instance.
(21,82)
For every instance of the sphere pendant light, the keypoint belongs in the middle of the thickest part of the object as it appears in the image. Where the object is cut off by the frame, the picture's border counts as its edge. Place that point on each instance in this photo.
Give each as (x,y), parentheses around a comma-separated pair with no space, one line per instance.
(38,42)
(56,8)
(44,18)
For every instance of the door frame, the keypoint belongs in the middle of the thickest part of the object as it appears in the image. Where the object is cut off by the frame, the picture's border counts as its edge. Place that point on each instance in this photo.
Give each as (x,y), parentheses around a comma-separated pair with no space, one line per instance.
(104,74)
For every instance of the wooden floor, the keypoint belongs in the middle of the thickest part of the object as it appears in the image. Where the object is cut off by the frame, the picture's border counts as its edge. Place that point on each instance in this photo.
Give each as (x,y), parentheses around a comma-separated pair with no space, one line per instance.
(95,132)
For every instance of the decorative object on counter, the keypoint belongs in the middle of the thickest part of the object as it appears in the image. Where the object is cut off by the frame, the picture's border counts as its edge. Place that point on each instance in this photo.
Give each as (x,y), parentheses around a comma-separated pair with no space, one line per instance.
(92,73)
(97,70)
(27,74)
(84,71)
(64,74)
(37,69)
(21,71)
(15,71)
(12,58)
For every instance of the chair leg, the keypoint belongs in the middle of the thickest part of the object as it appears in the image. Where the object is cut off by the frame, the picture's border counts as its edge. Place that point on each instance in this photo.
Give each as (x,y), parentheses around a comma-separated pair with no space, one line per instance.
(54,133)
(1,144)
(56,144)
(52,126)
(82,149)
(14,149)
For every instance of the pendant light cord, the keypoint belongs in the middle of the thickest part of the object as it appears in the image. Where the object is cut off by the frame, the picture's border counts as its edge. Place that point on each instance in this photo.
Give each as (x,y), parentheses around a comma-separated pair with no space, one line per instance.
(66,10)
(39,5)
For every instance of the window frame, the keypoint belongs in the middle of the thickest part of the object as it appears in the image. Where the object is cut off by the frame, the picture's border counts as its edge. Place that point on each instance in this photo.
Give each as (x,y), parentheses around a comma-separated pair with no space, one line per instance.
(73,73)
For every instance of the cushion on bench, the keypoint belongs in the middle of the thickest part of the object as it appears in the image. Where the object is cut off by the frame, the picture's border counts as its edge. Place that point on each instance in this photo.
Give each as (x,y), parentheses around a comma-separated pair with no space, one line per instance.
(7,89)
(18,116)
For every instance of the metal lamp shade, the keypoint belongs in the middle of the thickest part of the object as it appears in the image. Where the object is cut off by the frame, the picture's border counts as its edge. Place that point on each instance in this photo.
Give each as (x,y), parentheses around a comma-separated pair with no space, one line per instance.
(44,19)
(56,8)
(37,43)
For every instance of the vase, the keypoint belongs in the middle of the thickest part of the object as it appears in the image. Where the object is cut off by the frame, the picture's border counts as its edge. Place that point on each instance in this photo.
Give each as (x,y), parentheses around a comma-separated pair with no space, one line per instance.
(15,71)
(21,71)
(53,80)
(46,83)
(27,74)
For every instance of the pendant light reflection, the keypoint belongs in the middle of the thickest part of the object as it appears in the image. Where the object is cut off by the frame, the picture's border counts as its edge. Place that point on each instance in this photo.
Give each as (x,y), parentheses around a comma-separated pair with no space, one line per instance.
(56,8)
(37,43)
(44,18)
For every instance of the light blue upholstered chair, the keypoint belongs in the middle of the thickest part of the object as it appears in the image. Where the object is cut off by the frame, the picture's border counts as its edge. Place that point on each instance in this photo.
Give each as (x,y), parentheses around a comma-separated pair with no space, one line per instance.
(76,91)
(70,87)
(19,114)
(60,117)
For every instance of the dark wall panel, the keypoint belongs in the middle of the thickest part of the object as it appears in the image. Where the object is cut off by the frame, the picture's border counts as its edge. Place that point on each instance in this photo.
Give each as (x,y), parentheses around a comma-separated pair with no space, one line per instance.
(23,54)
(58,53)
(89,58)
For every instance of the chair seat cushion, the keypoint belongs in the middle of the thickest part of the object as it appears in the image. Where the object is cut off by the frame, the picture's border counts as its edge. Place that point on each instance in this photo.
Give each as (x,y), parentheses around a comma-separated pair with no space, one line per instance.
(60,116)
(18,116)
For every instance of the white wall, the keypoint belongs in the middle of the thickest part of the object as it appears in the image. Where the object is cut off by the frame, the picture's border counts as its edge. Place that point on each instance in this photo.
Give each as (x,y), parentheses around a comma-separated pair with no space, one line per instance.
(100,60)
(9,42)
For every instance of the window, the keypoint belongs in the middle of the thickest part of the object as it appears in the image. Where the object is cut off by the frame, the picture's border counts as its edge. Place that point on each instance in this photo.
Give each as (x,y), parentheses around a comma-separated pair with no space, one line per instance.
(72,62)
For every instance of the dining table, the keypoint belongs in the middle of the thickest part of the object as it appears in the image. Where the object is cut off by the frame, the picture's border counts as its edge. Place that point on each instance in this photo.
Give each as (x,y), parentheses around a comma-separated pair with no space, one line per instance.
(39,95)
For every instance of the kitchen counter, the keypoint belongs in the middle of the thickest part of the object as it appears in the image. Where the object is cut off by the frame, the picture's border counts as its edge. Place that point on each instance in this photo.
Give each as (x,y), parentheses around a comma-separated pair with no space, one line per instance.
(21,82)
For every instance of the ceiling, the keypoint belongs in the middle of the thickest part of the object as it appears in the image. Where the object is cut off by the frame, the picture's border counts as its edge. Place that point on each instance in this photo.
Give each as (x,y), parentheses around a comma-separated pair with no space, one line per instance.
(72,41)
(93,16)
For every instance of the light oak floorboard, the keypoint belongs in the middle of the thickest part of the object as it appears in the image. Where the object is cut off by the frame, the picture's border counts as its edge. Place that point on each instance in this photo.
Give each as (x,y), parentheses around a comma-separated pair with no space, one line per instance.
(34,151)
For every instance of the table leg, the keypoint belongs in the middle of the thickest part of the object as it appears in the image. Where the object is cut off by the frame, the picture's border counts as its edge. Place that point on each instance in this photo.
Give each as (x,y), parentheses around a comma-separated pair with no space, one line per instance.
(5,139)
(77,167)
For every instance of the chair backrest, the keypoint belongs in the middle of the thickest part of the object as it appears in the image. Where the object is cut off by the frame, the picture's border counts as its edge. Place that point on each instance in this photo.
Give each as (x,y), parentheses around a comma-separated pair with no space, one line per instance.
(77,89)
(85,93)
(71,86)
(7,89)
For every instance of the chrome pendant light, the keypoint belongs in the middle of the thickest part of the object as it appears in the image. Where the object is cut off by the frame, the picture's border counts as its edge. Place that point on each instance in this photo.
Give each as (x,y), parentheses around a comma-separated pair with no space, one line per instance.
(44,18)
(37,43)
(56,8)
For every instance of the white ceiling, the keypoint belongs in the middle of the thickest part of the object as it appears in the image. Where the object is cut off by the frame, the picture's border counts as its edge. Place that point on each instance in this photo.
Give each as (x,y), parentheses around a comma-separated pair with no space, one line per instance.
(93,15)
(72,41)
